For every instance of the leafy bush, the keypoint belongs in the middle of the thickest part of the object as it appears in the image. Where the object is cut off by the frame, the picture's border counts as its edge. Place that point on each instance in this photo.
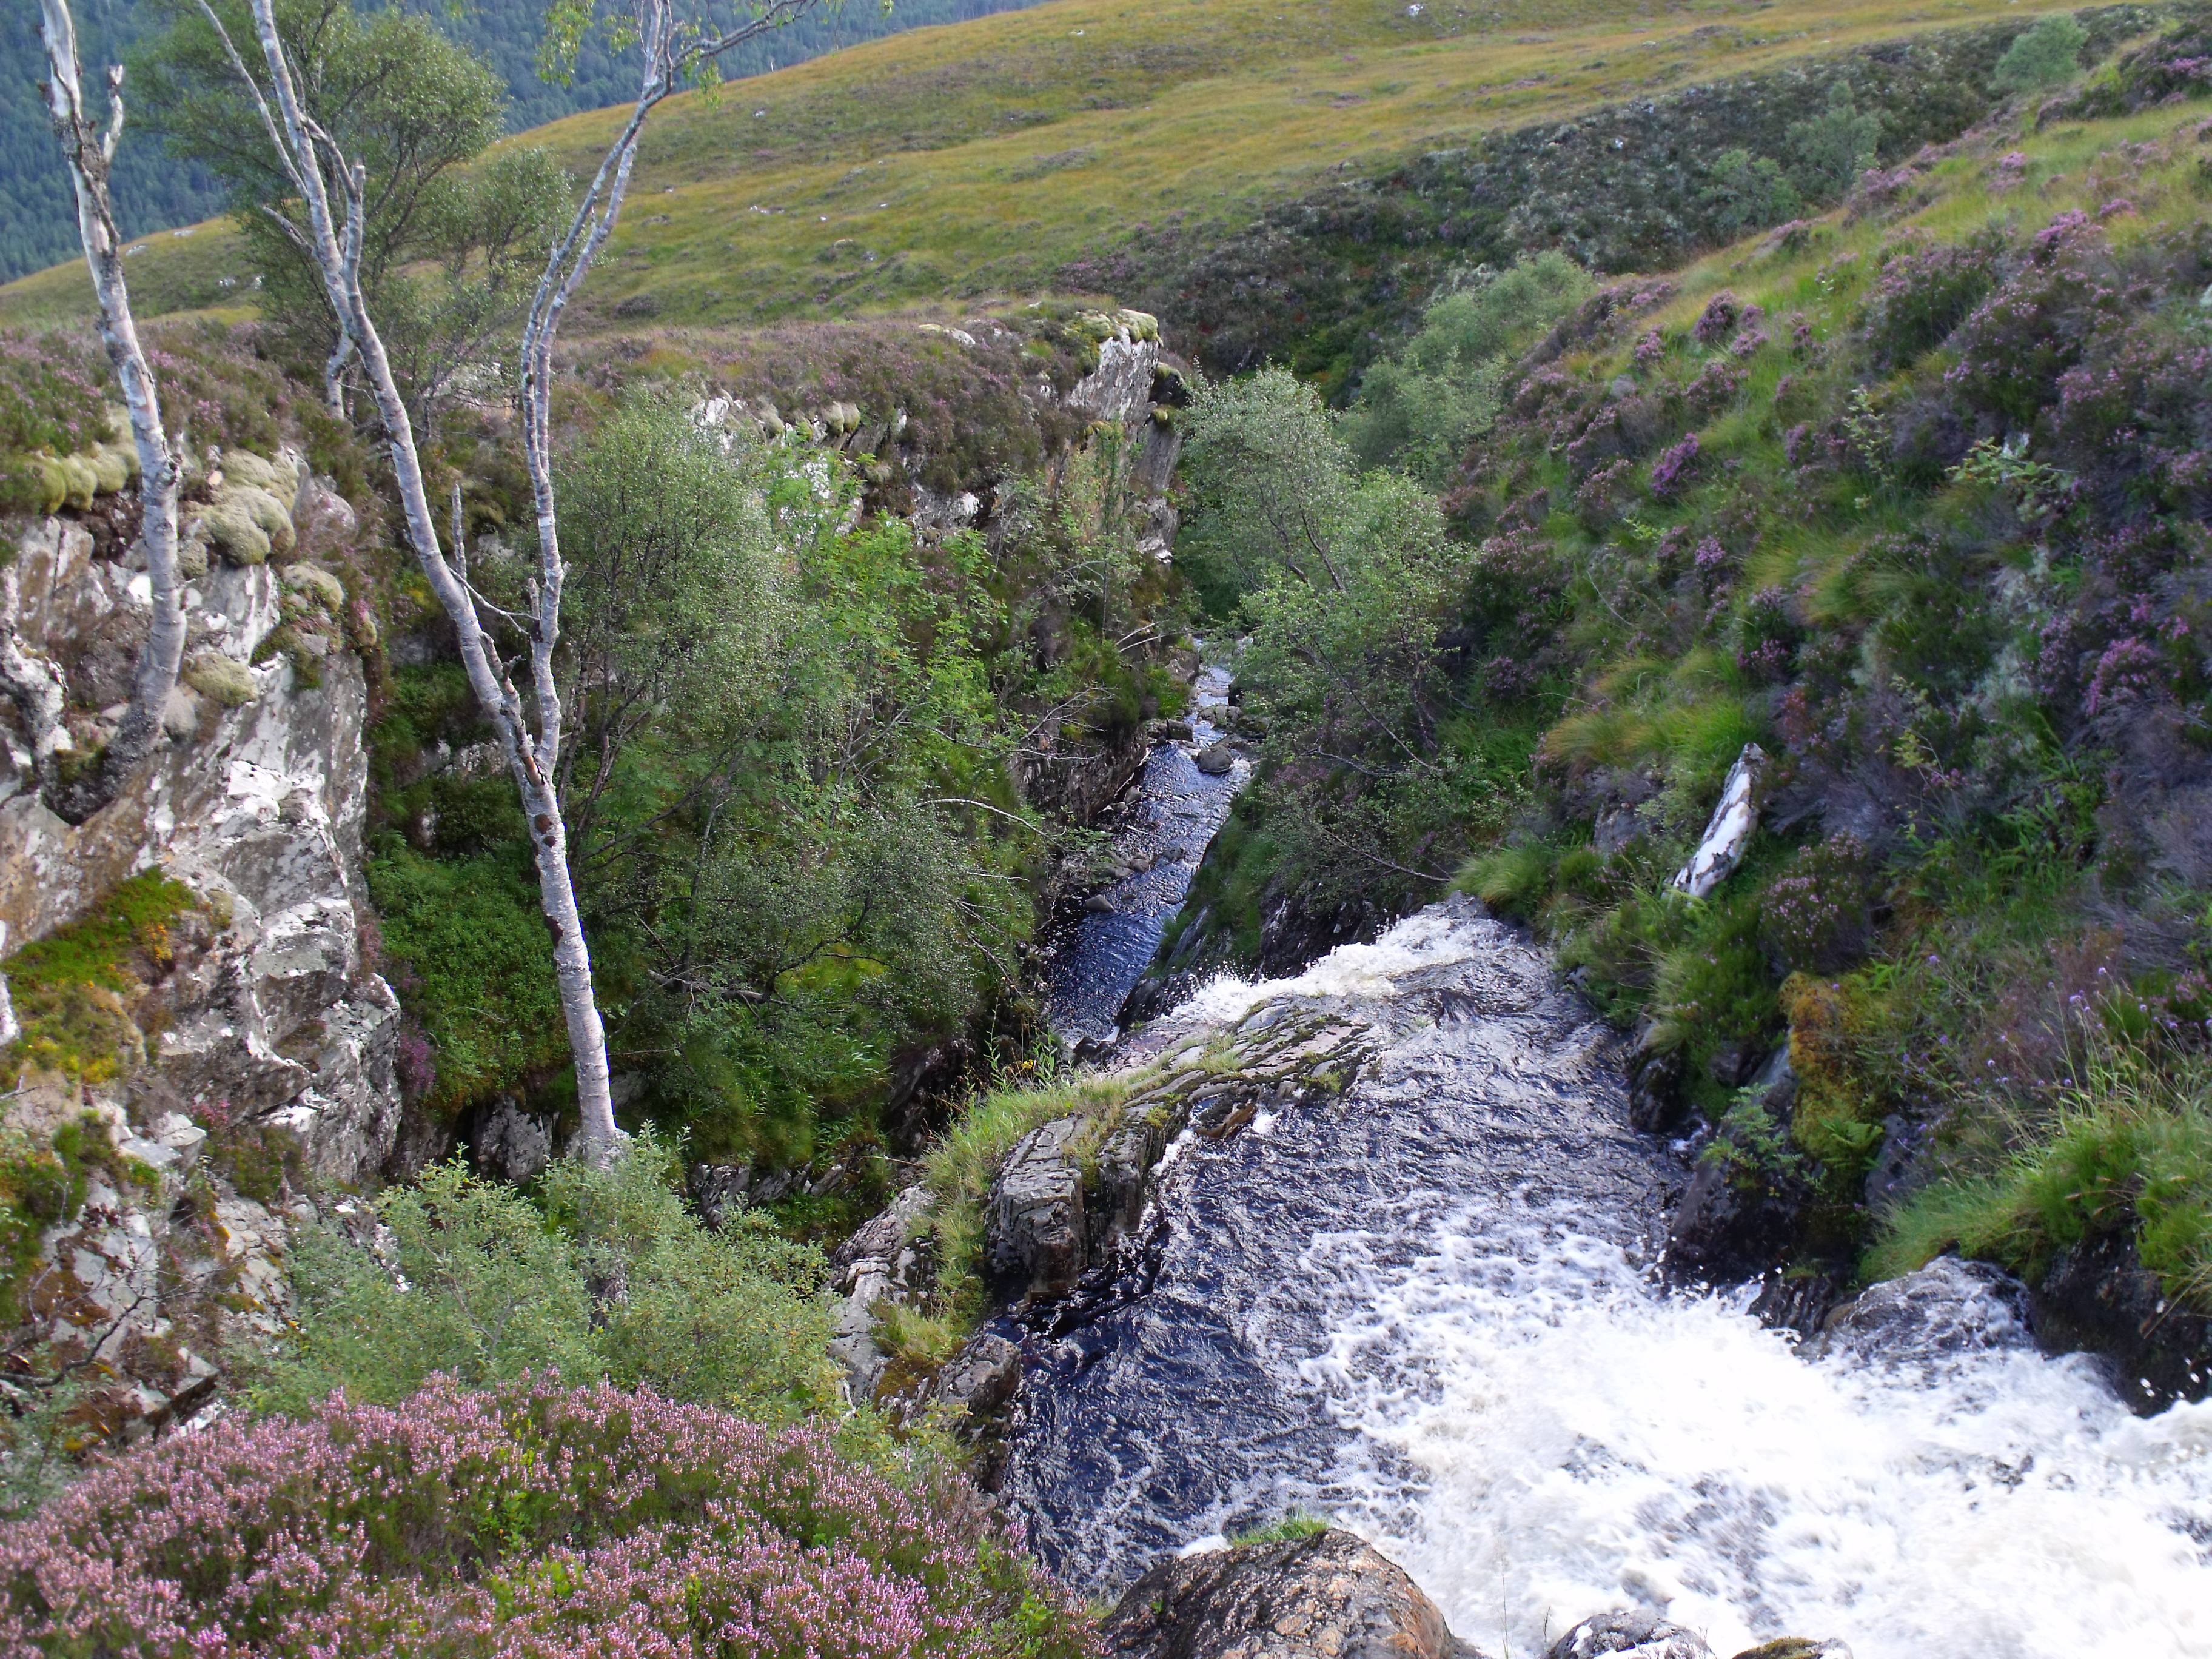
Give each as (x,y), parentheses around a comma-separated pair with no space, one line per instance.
(1834,147)
(615,1279)
(2042,56)
(1747,192)
(532,1520)
(1419,406)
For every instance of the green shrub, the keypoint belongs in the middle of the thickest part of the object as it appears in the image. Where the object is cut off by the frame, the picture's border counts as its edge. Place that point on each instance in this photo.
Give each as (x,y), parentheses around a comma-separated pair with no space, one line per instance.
(613,1278)
(469,957)
(2042,56)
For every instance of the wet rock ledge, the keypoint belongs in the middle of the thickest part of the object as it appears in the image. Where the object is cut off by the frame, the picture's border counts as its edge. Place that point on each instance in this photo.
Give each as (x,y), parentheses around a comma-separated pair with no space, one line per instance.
(1331,1596)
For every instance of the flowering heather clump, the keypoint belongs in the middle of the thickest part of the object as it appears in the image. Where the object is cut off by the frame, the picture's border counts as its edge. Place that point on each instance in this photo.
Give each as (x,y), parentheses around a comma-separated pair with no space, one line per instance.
(1814,915)
(2007,170)
(532,1521)
(1650,348)
(1675,470)
(1925,291)
(1717,386)
(1718,320)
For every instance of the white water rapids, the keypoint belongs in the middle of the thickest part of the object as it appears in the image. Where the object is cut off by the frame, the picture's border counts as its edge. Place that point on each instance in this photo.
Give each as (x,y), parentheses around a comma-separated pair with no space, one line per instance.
(1423,1310)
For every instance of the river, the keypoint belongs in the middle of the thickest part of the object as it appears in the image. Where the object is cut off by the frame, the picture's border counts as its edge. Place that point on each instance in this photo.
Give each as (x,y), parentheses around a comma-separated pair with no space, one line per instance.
(1426,1309)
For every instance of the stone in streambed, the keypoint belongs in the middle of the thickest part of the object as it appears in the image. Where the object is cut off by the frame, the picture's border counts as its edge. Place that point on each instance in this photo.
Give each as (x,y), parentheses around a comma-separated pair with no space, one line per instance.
(1036,1233)
(1216,759)
(1630,1633)
(1099,905)
(1796,1647)
(1329,1597)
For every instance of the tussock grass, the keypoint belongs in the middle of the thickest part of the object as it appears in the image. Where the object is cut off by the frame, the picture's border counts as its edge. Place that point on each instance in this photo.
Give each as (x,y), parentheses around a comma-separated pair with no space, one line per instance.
(2130,1146)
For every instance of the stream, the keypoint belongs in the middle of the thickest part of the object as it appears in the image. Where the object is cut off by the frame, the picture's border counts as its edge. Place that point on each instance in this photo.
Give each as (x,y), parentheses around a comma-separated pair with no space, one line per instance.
(1160,826)
(1425,1307)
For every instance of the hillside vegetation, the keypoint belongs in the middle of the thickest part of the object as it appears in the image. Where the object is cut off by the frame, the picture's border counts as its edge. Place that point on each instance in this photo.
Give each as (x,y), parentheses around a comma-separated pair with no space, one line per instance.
(1034,150)
(1910,495)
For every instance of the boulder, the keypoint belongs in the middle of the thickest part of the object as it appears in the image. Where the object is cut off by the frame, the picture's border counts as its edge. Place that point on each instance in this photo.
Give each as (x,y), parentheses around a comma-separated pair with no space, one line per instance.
(1655,1083)
(1035,1240)
(1634,1633)
(1796,1647)
(2097,1297)
(1216,759)
(508,1144)
(1328,1596)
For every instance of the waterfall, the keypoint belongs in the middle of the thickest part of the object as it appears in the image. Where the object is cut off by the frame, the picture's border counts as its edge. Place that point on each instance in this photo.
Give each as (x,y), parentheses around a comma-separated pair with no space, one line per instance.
(1425,1307)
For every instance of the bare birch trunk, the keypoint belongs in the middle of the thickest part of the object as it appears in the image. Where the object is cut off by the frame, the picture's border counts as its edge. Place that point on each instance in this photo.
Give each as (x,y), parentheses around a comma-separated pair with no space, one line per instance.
(304,147)
(668,52)
(671,50)
(91,152)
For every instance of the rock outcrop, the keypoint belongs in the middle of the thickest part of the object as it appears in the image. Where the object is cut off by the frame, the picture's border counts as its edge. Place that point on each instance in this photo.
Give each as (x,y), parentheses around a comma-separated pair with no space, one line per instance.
(237,1046)
(1327,1596)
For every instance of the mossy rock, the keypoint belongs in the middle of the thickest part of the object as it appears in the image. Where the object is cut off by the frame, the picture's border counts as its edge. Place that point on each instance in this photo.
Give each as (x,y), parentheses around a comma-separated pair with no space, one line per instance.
(268,513)
(220,679)
(243,469)
(80,481)
(231,529)
(114,465)
(1142,324)
(312,581)
(192,554)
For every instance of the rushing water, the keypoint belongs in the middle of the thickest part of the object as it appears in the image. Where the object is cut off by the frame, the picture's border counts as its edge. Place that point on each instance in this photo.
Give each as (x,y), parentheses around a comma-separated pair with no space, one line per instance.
(1163,823)
(1423,1309)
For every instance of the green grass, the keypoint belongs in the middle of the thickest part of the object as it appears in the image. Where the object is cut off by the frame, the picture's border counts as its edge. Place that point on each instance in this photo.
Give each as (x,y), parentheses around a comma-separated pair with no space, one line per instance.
(983,157)
(70,989)
(1295,1525)
(2130,1147)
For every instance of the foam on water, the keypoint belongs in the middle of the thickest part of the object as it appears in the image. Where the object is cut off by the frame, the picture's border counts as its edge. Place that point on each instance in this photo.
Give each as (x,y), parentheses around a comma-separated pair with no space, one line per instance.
(1428,939)
(1424,1308)
(1582,1441)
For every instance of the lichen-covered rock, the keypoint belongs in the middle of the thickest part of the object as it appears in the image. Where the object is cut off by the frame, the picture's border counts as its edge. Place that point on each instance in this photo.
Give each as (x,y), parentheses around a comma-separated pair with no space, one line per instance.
(1632,1634)
(252,1054)
(1328,1596)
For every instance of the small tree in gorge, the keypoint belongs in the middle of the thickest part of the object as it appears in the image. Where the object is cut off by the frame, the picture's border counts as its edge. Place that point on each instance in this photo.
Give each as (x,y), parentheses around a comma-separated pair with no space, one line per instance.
(90,152)
(676,49)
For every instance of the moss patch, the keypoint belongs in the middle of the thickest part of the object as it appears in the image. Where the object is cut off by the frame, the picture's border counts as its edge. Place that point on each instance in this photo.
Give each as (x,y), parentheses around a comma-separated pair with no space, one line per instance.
(70,989)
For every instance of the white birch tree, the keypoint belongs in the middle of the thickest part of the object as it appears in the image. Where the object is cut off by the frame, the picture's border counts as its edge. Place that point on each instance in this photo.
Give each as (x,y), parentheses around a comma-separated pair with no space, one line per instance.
(89,149)
(676,49)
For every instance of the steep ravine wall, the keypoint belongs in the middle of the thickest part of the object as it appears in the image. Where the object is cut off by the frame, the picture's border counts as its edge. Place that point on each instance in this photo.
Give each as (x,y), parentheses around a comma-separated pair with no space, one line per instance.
(199,1050)
(188,1059)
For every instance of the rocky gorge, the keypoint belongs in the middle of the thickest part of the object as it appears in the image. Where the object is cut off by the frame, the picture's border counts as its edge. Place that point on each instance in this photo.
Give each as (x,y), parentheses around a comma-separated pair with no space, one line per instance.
(1382,1242)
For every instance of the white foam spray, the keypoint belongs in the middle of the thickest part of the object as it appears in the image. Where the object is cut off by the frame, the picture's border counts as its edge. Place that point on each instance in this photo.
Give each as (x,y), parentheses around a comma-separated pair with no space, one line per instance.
(1543,1436)
(1428,939)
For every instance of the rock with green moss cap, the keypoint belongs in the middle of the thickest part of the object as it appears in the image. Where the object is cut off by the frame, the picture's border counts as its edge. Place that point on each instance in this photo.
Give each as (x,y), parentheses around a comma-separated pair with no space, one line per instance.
(223,680)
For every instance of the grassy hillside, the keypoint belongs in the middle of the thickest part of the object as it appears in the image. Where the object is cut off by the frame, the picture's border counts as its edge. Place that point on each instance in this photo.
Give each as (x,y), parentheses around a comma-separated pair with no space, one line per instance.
(1002,155)
(38,215)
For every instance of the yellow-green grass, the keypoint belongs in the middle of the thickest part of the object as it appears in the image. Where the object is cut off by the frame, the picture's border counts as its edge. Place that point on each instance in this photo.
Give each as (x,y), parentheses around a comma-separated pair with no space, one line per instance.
(982,157)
